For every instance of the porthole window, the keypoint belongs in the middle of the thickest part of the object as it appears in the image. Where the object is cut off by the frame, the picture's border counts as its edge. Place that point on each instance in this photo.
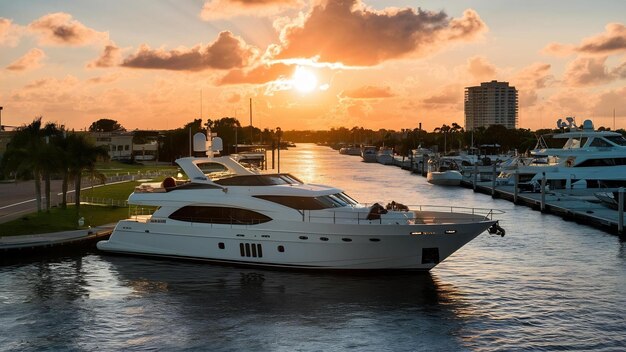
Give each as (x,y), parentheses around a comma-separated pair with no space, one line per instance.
(375,239)
(281,249)
(303,237)
(323,238)
(221,245)
(345,239)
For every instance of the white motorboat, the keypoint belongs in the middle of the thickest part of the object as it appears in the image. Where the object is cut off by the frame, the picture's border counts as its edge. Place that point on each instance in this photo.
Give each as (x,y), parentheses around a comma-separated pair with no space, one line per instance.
(444,172)
(368,153)
(384,156)
(350,150)
(238,216)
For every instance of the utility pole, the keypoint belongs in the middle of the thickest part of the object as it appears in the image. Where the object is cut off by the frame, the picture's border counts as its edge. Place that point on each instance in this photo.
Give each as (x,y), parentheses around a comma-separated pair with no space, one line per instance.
(2,129)
(251,121)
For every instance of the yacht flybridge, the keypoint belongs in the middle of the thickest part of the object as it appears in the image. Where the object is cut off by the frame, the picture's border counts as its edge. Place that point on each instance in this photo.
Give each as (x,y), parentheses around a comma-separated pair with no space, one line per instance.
(234,215)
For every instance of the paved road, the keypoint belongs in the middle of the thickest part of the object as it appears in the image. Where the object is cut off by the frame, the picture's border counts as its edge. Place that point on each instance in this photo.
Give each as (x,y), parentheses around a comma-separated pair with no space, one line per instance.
(17,199)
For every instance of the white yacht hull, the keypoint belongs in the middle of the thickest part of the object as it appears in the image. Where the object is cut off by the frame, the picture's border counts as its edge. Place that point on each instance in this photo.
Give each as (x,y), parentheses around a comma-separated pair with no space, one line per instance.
(384,159)
(304,245)
(444,178)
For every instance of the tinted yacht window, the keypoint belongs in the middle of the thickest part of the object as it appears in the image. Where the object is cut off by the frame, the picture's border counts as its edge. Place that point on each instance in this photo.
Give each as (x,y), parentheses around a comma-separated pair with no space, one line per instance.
(219,215)
(310,203)
(259,180)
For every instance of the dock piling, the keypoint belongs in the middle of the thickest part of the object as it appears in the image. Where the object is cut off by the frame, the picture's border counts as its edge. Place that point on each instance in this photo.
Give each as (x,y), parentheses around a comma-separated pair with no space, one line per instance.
(493,181)
(543,192)
(515,186)
(620,210)
(475,175)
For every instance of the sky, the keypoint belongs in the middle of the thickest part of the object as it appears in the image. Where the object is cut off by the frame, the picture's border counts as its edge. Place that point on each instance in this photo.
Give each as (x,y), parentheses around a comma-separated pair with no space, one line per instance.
(156,64)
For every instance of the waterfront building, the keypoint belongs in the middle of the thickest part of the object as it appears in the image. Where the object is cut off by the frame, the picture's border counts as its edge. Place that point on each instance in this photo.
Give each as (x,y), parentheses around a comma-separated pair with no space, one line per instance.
(491,103)
(121,145)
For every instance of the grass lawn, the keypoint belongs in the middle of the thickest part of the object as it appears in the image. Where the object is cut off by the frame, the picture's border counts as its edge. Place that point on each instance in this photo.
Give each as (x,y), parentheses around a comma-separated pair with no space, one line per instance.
(112,168)
(117,191)
(63,220)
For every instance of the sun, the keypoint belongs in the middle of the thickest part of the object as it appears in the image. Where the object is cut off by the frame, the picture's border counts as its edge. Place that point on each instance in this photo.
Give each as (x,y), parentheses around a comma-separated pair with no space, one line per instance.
(304,80)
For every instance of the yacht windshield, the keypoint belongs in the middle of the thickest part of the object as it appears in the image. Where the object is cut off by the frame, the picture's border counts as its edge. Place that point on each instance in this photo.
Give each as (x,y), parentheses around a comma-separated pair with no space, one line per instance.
(619,140)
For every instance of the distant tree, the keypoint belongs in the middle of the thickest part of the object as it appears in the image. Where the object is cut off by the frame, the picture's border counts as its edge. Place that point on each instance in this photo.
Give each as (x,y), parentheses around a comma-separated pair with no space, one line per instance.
(444,129)
(106,125)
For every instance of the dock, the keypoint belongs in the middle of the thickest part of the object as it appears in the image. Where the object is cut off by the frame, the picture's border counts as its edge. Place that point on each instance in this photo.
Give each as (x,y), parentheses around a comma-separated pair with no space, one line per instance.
(15,249)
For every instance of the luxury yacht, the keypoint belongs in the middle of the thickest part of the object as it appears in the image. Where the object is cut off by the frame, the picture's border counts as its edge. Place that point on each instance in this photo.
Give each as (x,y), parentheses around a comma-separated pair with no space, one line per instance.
(588,158)
(234,215)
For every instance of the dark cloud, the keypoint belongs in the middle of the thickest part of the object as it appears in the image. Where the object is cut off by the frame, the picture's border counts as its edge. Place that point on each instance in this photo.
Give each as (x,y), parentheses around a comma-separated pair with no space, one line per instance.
(227,52)
(60,29)
(613,40)
(345,31)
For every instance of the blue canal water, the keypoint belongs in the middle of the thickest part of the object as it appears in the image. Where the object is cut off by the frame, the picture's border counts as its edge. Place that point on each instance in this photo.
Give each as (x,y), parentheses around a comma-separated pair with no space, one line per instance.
(547,285)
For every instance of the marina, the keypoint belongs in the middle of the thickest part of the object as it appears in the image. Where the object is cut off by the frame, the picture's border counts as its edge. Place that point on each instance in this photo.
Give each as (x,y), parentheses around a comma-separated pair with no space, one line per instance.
(548,284)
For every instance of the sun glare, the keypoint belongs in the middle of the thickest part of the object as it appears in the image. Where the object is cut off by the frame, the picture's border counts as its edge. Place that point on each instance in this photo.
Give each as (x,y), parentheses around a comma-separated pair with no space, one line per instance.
(304,80)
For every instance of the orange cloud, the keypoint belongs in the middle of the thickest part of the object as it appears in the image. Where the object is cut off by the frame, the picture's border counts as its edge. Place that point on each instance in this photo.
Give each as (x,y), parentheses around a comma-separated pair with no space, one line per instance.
(257,75)
(609,100)
(613,40)
(31,60)
(9,32)
(110,57)
(233,98)
(480,68)
(586,71)
(104,79)
(529,80)
(620,71)
(347,32)
(60,29)
(450,96)
(225,9)
(367,92)
(227,52)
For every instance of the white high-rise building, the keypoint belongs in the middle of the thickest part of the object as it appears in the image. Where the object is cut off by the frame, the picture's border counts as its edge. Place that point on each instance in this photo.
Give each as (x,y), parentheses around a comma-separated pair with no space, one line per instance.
(491,103)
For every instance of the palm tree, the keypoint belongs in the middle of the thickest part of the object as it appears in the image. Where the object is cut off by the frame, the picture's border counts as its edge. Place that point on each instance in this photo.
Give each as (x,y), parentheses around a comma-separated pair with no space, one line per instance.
(27,153)
(81,156)
(443,129)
